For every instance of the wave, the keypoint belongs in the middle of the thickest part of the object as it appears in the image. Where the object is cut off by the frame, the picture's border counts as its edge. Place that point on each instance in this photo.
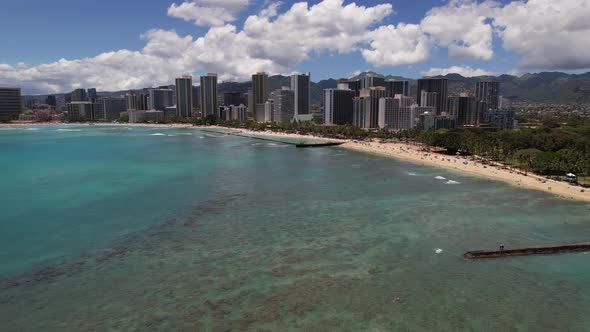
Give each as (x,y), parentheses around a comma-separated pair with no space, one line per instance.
(69,129)
(412,174)
(32,128)
(453,182)
(158,134)
(440,178)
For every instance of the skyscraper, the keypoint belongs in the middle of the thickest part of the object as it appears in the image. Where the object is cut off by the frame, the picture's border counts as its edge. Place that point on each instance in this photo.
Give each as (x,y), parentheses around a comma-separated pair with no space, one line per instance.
(338,106)
(488,92)
(233,98)
(209,95)
(371,80)
(283,105)
(438,85)
(92,95)
(160,98)
(366,107)
(395,87)
(184,96)
(300,88)
(79,95)
(259,94)
(464,109)
(51,100)
(396,114)
(487,99)
(10,103)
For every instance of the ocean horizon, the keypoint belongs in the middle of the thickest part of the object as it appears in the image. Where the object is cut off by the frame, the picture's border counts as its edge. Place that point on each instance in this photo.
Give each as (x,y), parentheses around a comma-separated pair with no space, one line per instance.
(155,228)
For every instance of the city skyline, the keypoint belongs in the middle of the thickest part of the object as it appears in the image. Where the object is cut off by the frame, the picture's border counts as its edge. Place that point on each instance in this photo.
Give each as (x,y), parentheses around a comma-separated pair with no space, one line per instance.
(341,38)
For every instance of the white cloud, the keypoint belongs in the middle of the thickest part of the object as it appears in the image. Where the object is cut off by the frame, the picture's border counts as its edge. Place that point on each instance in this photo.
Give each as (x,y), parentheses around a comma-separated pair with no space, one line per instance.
(462,70)
(401,45)
(548,34)
(461,27)
(209,13)
(271,43)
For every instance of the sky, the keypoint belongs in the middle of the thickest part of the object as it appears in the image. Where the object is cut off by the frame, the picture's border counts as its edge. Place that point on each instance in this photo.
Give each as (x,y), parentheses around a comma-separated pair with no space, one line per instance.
(53,46)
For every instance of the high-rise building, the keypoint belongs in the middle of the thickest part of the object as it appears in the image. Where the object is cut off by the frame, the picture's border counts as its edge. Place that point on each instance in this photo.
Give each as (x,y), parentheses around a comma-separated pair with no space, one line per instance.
(160,98)
(131,100)
(51,100)
(109,109)
(338,106)
(438,85)
(464,109)
(209,94)
(79,95)
(396,114)
(92,95)
(488,92)
(366,107)
(239,112)
(487,99)
(300,87)
(371,80)
(283,105)
(233,98)
(429,99)
(184,96)
(82,110)
(395,87)
(259,92)
(10,103)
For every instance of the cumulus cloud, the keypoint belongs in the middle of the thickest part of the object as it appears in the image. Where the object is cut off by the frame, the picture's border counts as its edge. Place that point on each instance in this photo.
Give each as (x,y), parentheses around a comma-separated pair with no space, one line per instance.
(207,12)
(548,34)
(462,27)
(462,70)
(401,45)
(270,42)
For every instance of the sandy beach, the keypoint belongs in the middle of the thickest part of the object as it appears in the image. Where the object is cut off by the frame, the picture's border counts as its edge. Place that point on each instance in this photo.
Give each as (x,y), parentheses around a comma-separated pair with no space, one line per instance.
(415,153)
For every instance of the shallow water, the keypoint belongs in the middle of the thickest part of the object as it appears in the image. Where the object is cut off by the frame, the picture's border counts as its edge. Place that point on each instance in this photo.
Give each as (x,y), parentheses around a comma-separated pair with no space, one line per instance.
(110,228)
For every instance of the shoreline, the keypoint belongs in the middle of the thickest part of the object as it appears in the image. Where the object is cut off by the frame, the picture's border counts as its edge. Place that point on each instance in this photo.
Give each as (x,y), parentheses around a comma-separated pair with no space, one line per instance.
(403,151)
(414,154)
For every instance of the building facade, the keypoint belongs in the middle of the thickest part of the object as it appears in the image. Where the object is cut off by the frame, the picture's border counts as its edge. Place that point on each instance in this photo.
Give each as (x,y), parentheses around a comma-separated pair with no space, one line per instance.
(300,88)
(338,106)
(184,96)
(437,85)
(464,109)
(10,103)
(283,105)
(260,92)
(109,109)
(160,98)
(395,87)
(209,95)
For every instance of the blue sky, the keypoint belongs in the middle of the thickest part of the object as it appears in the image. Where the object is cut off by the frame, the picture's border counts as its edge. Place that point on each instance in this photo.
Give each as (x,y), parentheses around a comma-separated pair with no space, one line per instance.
(43,32)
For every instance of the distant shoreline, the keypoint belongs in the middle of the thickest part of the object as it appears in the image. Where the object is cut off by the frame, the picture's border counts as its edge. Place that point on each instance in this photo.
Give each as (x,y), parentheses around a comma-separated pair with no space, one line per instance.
(414,154)
(408,152)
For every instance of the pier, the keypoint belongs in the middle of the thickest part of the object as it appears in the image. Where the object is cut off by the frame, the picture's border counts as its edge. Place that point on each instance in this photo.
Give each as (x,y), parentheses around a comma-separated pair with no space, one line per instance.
(297,144)
(317,145)
(527,251)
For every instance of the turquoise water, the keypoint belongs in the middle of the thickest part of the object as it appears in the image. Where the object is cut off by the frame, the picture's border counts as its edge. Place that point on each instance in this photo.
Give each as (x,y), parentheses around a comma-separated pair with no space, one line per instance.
(114,228)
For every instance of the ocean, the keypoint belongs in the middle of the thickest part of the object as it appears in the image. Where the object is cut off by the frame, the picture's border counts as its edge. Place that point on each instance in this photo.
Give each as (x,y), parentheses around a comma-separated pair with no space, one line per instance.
(149,228)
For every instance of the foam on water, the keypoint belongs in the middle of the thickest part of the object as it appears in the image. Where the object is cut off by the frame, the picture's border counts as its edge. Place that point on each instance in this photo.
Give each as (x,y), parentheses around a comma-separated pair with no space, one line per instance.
(453,182)
(158,134)
(69,130)
(438,177)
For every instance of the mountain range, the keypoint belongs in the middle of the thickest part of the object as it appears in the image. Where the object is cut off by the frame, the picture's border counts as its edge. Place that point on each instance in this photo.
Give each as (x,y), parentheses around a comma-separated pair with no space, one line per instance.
(544,87)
